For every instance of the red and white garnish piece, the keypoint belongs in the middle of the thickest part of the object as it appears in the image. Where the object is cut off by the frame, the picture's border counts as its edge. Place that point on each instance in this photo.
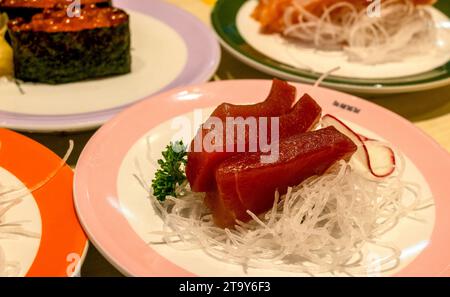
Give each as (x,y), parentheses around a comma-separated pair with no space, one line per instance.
(381,158)
(378,158)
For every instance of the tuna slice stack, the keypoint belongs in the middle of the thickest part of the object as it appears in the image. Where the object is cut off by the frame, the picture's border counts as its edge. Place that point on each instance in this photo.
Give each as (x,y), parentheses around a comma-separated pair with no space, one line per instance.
(235,182)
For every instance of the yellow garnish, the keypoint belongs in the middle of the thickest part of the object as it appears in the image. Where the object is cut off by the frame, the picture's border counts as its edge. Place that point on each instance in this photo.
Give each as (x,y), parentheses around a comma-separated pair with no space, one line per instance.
(6,53)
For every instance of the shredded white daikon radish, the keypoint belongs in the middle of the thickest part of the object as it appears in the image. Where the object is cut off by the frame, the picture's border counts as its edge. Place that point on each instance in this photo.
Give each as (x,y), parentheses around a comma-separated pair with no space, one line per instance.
(402,29)
(7,268)
(10,197)
(322,225)
(10,230)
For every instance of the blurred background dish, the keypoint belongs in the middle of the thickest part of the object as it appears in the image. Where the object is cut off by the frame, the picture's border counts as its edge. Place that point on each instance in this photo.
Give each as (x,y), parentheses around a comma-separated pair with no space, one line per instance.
(240,35)
(169,48)
(39,234)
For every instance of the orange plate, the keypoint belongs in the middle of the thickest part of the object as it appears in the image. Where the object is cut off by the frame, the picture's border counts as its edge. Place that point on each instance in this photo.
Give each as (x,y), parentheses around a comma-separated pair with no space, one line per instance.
(63,243)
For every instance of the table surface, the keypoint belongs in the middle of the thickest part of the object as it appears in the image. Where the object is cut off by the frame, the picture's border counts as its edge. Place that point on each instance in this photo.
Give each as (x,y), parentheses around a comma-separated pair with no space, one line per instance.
(428,110)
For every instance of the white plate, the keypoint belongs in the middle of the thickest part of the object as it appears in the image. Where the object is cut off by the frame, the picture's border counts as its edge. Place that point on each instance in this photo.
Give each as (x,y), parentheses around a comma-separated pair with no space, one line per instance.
(156,64)
(169,48)
(143,218)
(291,53)
(118,217)
(271,54)
(57,245)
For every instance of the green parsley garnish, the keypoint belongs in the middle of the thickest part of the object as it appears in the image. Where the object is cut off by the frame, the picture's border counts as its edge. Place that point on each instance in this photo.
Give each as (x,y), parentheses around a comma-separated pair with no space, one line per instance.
(171,171)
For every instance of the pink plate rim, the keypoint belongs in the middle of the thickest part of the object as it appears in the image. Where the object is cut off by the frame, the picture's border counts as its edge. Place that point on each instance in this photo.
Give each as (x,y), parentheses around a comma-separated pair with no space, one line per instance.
(95,194)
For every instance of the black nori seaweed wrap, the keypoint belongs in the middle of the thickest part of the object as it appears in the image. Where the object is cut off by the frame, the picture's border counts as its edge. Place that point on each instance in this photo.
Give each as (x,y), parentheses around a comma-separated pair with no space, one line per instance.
(63,57)
(26,11)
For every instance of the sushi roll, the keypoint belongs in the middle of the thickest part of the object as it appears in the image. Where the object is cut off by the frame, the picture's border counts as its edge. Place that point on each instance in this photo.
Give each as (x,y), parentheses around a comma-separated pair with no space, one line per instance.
(54,48)
(27,8)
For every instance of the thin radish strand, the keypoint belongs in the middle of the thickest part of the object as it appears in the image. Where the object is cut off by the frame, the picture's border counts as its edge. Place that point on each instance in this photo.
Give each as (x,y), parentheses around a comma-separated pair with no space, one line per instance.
(324,76)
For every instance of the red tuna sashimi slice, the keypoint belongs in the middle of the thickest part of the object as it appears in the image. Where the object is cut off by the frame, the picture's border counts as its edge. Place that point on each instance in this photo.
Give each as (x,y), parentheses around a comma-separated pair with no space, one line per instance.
(279,101)
(201,165)
(244,183)
(303,117)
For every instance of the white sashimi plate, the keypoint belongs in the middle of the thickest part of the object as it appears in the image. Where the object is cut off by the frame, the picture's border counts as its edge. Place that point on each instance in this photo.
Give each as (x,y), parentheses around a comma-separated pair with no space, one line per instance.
(117,214)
